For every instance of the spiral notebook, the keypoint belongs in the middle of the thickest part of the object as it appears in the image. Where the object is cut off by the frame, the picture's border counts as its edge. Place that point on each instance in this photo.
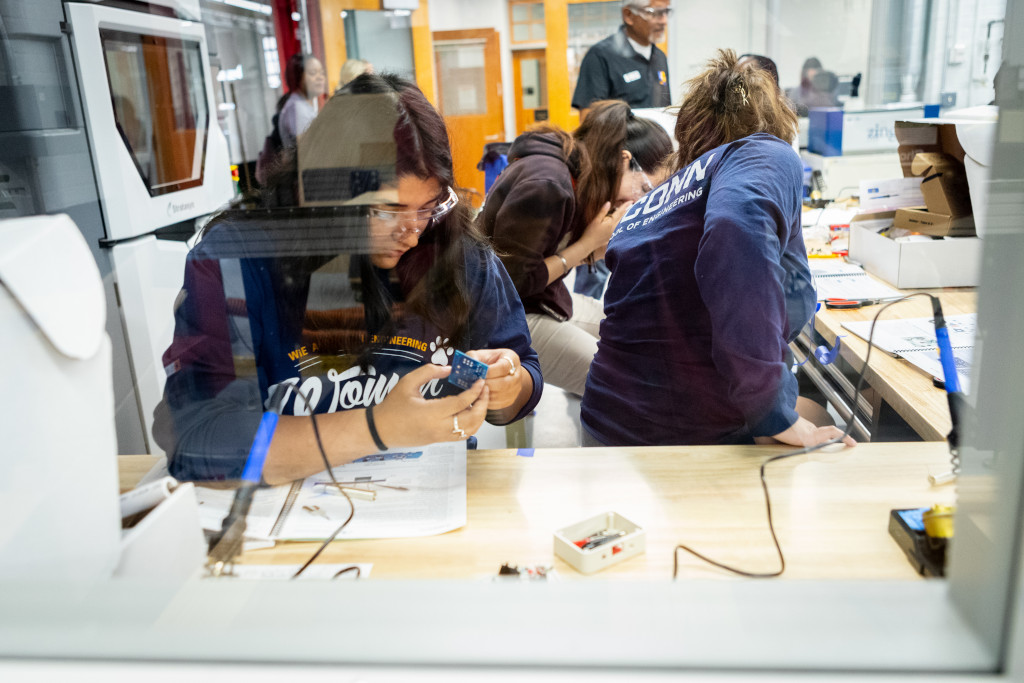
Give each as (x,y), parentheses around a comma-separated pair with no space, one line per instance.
(913,339)
(835,279)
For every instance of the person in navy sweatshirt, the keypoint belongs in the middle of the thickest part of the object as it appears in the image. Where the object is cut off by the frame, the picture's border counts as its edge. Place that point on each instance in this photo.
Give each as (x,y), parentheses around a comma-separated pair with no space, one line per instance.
(350,306)
(709,282)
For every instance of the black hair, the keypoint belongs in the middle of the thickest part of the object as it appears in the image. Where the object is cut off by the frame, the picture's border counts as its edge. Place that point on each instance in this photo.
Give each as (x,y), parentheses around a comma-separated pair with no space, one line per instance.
(648,142)
(430,279)
(767,64)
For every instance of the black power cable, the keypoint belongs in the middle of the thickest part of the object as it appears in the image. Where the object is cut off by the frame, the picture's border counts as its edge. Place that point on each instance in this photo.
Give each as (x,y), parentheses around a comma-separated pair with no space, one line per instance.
(783,456)
(334,482)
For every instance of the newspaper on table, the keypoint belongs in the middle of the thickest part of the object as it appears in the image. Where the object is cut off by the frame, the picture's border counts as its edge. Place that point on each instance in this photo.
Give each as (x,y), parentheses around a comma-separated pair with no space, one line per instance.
(418,492)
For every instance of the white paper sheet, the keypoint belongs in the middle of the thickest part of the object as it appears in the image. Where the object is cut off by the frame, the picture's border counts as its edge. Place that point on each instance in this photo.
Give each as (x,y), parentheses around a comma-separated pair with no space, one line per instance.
(914,340)
(433,502)
(419,492)
(840,280)
(266,507)
(285,572)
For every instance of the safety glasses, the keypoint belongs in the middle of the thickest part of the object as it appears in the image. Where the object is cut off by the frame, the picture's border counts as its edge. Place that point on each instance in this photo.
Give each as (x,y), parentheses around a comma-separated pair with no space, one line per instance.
(403,221)
(650,13)
(646,185)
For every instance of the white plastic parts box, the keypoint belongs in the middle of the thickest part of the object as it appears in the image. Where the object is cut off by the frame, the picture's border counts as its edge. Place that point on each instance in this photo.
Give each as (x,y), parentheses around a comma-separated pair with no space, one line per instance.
(599,542)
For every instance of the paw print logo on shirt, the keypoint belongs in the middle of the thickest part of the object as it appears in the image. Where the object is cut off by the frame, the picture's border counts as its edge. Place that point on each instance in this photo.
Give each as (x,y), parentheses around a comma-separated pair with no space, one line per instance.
(441,353)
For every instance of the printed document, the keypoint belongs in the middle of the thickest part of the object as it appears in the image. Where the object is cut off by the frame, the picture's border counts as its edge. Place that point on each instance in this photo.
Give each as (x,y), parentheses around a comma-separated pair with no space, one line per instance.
(418,492)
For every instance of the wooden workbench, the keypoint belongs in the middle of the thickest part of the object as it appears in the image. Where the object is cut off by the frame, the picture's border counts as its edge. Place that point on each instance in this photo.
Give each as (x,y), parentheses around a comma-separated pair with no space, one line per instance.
(831,511)
(904,387)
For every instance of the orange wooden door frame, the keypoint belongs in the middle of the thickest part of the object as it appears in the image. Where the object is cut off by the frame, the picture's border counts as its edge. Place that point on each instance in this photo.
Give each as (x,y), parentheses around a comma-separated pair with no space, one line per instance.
(470,133)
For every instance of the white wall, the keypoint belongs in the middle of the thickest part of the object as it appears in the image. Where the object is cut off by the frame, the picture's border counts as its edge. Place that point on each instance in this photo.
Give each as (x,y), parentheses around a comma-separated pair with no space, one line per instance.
(697,30)
(838,32)
(455,15)
(965,71)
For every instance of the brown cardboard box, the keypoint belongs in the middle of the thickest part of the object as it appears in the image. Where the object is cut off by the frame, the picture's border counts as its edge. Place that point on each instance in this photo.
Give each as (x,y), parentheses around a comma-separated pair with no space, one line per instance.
(933,153)
(934,224)
(949,261)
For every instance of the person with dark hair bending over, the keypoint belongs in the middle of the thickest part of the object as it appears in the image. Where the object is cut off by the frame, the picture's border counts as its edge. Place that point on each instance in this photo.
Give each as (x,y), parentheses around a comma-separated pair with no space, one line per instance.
(354,302)
(551,210)
(650,150)
(709,282)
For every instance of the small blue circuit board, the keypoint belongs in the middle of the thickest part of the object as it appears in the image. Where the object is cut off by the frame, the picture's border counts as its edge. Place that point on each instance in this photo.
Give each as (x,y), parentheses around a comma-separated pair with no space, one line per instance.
(466,370)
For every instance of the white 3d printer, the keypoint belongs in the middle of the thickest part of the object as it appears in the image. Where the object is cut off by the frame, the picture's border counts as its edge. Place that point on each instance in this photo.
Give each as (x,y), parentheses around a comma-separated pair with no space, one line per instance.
(159,159)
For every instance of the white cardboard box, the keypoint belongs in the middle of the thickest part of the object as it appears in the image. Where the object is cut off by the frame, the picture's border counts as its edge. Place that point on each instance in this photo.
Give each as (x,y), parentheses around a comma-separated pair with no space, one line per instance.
(947,262)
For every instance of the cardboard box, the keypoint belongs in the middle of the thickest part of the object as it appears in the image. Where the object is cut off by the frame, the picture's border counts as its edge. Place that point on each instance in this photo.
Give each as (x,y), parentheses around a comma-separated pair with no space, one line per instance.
(946,262)
(934,223)
(955,197)
(946,197)
(933,150)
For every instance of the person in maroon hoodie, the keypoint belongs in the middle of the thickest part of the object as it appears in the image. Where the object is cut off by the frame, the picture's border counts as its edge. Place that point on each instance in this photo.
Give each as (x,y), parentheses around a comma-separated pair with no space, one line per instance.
(554,208)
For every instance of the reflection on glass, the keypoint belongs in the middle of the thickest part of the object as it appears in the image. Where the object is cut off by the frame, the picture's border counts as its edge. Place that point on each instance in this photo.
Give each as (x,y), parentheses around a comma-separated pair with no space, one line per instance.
(159,98)
(325,291)
(369,275)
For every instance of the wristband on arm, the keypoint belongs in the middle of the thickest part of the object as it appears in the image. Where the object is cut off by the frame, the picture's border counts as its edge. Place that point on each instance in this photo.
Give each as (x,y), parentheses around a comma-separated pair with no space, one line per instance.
(373,430)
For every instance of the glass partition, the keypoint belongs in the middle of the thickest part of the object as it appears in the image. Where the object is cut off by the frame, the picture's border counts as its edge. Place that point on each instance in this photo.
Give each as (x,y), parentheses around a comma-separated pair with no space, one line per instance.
(311,299)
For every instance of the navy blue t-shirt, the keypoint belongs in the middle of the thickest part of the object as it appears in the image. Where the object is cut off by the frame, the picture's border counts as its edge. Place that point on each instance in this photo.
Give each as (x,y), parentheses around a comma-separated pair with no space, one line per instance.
(709,282)
(245,324)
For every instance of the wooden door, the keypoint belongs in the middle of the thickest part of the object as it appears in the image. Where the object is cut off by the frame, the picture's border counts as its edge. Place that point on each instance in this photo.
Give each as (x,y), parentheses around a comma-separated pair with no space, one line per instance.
(469,98)
(529,68)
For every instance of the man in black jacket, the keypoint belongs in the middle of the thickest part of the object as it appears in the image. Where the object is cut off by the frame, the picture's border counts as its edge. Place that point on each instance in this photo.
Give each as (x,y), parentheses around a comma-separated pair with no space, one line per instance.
(627,65)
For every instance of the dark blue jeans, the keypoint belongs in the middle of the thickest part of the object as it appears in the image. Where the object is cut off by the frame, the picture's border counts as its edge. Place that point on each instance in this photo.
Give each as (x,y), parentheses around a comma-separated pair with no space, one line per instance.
(590,280)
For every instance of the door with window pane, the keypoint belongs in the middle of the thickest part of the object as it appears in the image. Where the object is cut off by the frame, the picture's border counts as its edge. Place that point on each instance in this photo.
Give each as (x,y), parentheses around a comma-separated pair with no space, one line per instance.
(469,97)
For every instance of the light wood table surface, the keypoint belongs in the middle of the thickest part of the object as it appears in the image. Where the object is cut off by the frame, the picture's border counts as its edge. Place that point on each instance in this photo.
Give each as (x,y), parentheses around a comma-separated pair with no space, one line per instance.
(906,388)
(831,511)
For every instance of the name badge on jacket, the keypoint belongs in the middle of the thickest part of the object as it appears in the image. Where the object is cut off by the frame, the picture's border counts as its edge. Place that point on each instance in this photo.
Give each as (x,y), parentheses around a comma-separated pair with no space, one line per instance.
(631,76)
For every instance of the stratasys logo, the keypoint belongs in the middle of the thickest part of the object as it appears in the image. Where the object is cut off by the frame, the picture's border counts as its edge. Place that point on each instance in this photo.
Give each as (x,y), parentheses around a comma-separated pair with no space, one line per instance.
(174,209)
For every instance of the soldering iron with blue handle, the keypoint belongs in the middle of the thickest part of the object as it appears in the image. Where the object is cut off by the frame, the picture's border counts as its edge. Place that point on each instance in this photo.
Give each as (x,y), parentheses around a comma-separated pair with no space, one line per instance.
(954,396)
(226,545)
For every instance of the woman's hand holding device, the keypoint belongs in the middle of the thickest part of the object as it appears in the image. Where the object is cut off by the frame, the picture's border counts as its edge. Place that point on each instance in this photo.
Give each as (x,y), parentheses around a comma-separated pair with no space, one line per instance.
(405,418)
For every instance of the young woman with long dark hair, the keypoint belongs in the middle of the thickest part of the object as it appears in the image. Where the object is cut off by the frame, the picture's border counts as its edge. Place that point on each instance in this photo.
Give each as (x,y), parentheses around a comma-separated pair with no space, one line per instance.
(553,208)
(355,302)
